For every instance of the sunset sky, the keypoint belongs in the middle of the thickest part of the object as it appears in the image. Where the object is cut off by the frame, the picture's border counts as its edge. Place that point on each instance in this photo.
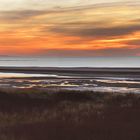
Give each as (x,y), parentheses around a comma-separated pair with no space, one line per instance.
(70,28)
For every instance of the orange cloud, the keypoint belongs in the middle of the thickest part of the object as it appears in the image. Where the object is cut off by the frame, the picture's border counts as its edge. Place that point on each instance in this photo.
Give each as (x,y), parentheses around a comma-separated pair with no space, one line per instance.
(104,27)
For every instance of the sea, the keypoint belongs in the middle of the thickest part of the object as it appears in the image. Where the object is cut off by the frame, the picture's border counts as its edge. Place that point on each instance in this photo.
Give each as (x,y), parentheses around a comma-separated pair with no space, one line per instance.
(15,61)
(103,84)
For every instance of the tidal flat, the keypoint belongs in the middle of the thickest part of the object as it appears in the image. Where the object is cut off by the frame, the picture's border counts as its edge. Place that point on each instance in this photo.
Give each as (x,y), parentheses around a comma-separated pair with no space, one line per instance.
(122,80)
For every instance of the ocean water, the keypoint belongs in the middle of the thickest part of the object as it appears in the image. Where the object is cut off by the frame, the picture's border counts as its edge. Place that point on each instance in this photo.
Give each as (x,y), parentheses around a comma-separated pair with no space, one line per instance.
(70,62)
(103,84)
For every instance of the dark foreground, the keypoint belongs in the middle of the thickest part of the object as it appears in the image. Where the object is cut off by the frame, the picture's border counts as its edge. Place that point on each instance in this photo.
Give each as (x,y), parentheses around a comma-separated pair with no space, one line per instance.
(68,115)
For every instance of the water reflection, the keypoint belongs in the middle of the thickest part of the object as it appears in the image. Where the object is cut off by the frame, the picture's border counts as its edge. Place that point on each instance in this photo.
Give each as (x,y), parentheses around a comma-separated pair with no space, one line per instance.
(118,81)
(16,75)
(45,81)
(8,75)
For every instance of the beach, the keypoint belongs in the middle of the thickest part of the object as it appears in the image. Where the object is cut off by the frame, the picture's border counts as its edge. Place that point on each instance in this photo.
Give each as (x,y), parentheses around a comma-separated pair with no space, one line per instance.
(69,70)
(69,103)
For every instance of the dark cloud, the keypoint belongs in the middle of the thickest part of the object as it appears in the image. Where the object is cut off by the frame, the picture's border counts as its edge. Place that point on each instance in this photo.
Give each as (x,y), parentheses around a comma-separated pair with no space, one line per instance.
(91,53)
(96,32)
(134,42)
(119,51)
(19,15)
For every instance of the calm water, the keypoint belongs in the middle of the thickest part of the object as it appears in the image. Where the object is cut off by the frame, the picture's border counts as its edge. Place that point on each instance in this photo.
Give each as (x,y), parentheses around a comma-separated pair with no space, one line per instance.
(71,62)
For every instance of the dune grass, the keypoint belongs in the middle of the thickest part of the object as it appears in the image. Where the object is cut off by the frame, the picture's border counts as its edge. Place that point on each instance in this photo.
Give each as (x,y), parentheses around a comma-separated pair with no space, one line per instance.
(32,114)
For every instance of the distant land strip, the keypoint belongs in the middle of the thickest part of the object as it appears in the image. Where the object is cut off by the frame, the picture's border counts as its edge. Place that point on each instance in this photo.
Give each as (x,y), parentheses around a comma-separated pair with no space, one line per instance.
(76,71)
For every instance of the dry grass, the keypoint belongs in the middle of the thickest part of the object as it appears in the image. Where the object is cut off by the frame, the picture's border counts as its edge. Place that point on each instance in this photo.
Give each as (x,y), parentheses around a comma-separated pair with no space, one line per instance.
(68,115)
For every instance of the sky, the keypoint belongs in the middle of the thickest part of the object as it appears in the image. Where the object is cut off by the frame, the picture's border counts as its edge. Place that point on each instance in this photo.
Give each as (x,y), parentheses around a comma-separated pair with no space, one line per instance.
(70,28)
